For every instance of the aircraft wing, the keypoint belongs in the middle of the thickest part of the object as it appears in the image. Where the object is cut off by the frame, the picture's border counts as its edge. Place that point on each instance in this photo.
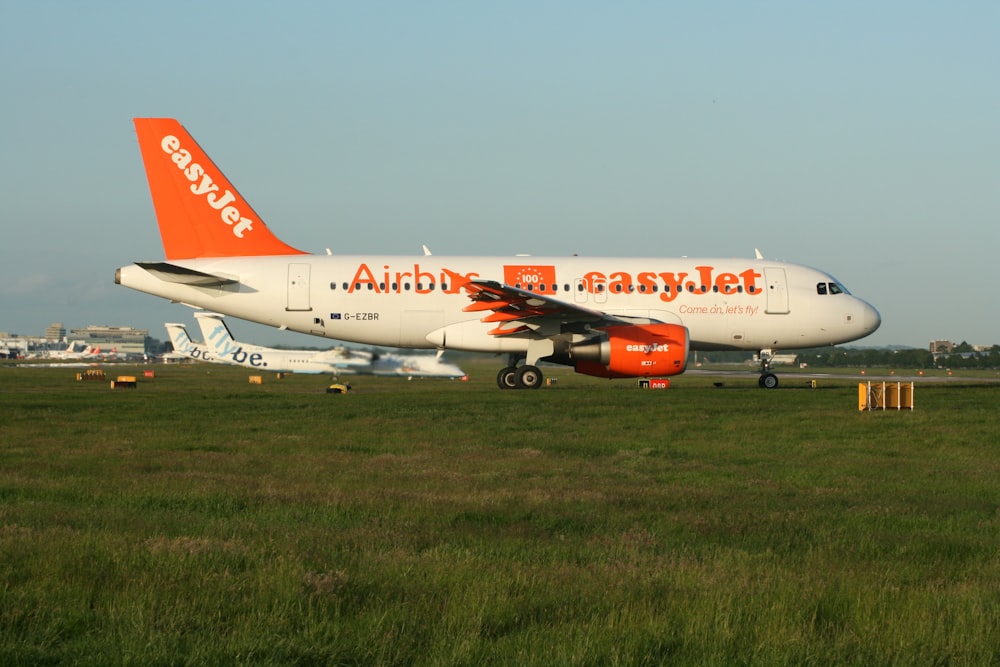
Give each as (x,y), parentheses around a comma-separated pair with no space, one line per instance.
(342,357)
(519,311)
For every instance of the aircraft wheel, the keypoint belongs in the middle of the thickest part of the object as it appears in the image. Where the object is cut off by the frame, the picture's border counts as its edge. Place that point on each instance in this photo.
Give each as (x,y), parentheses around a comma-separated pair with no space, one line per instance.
(505,378)
(528,377)
(768,381)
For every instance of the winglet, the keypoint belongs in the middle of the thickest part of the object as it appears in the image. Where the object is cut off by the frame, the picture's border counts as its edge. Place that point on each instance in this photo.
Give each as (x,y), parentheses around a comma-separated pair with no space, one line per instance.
(199,212)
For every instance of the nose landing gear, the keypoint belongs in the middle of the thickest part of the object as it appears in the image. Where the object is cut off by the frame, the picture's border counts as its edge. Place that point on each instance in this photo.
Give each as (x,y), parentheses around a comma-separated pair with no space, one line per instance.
(767,379)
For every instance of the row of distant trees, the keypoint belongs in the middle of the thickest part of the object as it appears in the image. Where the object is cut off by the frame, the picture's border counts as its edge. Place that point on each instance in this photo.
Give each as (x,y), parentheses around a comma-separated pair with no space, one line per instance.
(963,356)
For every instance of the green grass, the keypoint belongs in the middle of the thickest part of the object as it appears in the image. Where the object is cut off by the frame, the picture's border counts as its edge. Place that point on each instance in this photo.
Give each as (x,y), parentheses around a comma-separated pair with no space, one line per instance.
(199,519)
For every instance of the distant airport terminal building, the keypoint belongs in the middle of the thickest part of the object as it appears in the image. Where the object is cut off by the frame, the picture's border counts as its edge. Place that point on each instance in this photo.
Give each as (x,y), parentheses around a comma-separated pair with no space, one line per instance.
(126,340)
(55,331)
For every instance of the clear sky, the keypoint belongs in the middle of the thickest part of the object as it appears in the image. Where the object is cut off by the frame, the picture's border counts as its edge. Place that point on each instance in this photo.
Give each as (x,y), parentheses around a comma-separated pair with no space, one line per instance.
(862,138)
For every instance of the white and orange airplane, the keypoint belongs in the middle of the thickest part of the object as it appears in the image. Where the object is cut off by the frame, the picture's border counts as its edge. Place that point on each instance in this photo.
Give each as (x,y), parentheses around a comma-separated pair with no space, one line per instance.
(604,316)
(88,352)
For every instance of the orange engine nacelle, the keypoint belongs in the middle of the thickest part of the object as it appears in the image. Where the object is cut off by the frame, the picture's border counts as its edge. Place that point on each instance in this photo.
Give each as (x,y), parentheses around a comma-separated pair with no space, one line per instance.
(639,350)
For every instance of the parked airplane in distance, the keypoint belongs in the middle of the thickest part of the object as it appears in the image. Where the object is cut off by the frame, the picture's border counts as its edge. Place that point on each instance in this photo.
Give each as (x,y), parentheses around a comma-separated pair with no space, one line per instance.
(607,317)
(224,347)
(86,353)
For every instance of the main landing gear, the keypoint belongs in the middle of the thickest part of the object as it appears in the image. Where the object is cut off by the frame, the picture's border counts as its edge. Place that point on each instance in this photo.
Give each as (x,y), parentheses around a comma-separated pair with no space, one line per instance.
(767,379)
(519,377)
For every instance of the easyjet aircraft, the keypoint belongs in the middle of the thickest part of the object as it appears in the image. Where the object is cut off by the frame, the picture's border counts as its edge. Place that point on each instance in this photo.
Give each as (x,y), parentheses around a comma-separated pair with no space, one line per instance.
(71,353)
(604,316)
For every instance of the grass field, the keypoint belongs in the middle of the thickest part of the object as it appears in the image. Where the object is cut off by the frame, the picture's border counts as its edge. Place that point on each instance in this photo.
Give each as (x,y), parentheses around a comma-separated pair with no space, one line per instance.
(201,520)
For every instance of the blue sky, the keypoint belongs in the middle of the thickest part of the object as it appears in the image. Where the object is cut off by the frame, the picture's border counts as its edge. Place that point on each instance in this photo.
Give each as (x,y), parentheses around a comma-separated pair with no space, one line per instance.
(862,138)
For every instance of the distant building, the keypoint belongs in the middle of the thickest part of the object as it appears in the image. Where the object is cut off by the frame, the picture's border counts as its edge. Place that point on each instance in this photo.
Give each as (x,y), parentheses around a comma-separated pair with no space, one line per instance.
(55,331)
(942,347)
(126,340)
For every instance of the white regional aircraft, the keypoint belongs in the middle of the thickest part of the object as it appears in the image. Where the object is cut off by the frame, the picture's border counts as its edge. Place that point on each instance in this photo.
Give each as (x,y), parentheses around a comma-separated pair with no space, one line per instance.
(220,348)
(219,340)
(607,317)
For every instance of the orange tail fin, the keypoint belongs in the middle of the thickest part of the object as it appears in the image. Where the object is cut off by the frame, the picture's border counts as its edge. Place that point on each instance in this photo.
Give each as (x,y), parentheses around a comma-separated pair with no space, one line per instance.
(199,212)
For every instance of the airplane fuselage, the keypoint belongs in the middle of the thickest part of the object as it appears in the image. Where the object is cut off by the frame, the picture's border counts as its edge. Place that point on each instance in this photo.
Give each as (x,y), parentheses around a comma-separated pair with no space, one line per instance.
(418,301)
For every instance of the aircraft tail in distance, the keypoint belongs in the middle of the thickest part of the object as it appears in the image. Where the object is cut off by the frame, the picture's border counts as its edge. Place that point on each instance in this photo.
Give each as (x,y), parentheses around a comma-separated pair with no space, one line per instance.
(199,212)
(218,338)
(183,344)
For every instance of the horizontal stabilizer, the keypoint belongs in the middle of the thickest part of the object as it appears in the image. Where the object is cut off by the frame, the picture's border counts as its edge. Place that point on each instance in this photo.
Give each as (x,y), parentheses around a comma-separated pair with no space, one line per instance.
(172,273)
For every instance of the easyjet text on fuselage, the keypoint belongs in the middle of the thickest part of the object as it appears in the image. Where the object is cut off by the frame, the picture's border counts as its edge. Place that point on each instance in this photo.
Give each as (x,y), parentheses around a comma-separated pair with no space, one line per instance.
(669,284)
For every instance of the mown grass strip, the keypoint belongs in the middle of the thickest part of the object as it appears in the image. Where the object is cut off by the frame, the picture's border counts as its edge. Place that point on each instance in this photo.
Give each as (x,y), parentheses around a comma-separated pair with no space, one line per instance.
(199,519)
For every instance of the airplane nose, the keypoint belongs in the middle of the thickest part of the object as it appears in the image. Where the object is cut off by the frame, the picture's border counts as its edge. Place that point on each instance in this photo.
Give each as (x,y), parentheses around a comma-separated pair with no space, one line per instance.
(871,318)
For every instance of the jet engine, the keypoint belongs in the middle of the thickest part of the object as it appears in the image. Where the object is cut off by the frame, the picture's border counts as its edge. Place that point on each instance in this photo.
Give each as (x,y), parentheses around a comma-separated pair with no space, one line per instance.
(636,350)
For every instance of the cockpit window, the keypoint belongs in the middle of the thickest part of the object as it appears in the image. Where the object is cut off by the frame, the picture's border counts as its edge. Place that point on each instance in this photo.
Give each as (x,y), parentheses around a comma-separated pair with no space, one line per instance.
(830,288)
